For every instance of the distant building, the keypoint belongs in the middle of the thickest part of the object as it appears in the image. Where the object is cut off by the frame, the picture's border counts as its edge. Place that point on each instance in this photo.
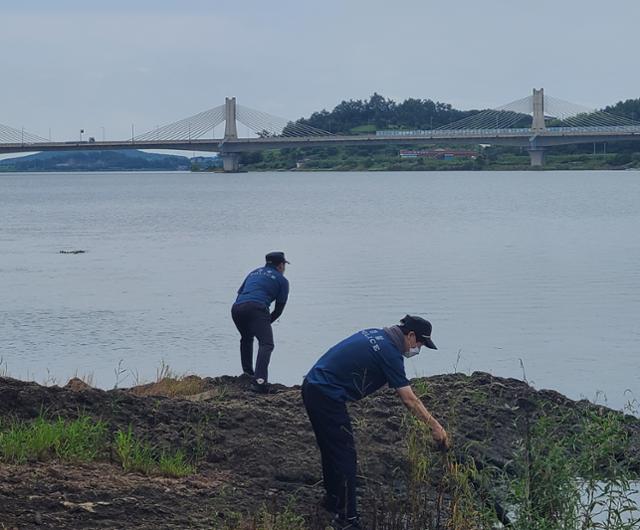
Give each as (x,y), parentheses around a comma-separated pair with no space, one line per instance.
(438,154)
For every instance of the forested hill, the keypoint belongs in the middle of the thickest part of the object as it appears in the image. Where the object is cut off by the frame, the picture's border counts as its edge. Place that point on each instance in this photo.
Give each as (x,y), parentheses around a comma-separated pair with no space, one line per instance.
(361,116)
(125,160)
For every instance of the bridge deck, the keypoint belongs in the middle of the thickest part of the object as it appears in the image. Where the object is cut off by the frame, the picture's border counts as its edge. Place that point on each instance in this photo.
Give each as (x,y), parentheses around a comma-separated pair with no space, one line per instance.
(518,137)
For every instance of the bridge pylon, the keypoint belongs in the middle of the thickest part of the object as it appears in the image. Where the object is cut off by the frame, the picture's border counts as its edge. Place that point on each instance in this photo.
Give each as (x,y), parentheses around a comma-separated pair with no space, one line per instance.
(230,161)
(538,124)
(536,153)
(230,127)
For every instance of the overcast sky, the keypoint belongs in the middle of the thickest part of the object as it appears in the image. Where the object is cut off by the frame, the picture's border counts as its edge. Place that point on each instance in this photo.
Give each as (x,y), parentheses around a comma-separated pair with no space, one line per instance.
(67,64)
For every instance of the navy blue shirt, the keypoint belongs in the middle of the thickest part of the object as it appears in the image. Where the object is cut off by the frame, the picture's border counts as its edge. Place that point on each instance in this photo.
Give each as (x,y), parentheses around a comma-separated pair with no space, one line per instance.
(264,285)
(358,366)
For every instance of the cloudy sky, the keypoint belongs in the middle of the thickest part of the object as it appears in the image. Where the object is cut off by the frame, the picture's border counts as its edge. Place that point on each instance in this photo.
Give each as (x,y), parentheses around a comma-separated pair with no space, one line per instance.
(103,66)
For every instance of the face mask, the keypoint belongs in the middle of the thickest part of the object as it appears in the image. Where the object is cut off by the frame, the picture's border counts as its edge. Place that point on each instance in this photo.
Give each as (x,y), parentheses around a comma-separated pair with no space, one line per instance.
(412,352)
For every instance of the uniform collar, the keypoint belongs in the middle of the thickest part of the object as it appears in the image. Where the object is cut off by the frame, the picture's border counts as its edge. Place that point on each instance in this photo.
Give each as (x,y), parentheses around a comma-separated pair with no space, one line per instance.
(396,335)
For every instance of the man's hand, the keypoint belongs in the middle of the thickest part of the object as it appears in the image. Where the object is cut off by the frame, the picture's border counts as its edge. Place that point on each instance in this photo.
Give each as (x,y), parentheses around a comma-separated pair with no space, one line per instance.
(440,438)
(413,403)
(277,311)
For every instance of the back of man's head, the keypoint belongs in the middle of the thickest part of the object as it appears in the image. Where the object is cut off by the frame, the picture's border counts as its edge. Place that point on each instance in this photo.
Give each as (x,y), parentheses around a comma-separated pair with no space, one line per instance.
(275,258)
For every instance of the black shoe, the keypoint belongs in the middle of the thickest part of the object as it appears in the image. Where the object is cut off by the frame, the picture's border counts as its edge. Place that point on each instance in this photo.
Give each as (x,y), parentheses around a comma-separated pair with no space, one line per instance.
(260,387)
(346,523)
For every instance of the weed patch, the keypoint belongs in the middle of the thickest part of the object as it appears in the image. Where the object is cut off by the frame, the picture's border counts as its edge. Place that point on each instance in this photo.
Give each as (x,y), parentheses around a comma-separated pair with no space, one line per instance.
(135,455)
(85,440)
(78,440)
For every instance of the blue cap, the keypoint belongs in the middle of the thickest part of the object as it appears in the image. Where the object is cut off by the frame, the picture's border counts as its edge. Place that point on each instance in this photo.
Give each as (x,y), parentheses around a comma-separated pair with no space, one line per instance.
(275,258)
(421,327)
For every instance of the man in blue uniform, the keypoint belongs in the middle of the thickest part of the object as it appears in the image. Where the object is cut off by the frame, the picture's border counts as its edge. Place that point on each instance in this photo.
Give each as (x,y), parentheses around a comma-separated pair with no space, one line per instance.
(351,370)
(250,313)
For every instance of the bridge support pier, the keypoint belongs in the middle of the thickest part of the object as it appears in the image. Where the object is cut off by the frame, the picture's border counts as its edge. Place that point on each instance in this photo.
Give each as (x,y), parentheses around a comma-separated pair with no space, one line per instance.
(230,162)
(537,156)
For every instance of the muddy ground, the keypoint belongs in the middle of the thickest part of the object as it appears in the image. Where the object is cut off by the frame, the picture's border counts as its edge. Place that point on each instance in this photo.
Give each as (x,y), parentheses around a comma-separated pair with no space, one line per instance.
(251,450)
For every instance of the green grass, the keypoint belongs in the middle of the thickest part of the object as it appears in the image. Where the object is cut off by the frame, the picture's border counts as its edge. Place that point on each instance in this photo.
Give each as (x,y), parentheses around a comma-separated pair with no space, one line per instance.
(132,454)
(136,455)
(78,440)
(283,520)
(264,519)
(174,465)
(557,480)
(86,440)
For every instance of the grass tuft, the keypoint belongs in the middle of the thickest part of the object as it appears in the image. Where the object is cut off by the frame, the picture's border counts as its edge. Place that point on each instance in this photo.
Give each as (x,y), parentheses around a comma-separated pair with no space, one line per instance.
(135,455)
(85,440)
(175,465)
(78,440)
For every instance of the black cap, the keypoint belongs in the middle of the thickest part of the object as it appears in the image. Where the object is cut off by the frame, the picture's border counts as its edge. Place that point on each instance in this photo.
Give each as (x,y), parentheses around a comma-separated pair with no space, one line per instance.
(275,258)
(421,327)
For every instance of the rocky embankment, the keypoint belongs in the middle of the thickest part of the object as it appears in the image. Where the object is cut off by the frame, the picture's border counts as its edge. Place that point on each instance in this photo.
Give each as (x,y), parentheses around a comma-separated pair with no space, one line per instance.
(251,451)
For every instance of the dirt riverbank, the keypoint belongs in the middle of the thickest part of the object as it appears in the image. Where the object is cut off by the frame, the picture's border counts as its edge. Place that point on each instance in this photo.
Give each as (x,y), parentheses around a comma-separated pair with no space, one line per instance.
(251,451)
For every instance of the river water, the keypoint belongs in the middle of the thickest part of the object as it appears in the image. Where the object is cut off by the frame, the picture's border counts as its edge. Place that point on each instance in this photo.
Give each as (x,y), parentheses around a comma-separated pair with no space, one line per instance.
(516,270)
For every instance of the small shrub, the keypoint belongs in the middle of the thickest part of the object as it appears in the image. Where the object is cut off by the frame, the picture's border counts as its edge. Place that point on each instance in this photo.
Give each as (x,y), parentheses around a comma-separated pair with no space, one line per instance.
(577,481)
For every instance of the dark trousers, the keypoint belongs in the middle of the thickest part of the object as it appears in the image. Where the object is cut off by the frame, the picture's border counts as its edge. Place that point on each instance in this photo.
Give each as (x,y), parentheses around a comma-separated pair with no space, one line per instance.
(253,320)
(332,427)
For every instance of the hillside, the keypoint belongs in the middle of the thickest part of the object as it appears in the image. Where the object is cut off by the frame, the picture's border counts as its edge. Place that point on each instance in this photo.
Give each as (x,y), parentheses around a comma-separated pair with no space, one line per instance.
(125,160)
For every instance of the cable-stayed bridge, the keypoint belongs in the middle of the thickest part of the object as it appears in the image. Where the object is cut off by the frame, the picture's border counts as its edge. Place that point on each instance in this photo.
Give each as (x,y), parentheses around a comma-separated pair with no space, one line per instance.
(536,123)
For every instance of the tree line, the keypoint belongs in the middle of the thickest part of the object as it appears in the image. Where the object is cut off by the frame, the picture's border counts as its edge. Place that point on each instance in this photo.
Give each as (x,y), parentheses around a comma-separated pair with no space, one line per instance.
(377,112)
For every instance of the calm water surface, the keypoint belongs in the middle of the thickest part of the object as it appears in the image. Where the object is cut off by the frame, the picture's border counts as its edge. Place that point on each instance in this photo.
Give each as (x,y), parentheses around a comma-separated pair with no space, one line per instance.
(541,267)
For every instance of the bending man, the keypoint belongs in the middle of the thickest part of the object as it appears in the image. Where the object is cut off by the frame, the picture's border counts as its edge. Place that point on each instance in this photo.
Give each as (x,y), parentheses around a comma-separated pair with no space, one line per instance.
(351,370)
(250,313)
